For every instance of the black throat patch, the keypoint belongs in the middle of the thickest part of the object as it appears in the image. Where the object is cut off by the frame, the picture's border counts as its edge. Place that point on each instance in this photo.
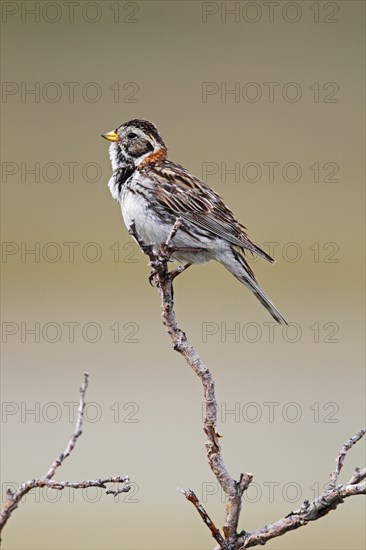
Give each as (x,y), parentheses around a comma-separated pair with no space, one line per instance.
(122,174)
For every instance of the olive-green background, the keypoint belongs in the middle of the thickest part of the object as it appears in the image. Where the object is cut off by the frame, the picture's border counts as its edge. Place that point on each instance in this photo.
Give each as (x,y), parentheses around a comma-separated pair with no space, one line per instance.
(317,379)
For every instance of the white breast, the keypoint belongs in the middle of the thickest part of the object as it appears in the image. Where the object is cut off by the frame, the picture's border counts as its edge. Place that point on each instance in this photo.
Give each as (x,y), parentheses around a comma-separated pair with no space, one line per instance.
(135,209)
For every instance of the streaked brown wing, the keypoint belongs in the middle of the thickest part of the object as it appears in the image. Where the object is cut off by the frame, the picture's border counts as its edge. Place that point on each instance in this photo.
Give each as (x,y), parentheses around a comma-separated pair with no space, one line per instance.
(187,196)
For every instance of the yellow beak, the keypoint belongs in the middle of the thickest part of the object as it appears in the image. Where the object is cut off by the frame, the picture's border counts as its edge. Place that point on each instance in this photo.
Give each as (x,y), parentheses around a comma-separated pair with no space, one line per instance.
(111,136)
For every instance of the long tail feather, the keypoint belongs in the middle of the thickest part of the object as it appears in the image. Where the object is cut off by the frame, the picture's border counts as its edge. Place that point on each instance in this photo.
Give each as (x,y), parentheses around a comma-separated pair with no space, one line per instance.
(264,300)
(238,266)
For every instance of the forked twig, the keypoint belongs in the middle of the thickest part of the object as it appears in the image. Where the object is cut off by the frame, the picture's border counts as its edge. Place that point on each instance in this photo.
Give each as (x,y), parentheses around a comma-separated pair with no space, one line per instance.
(230,539)
(14,497)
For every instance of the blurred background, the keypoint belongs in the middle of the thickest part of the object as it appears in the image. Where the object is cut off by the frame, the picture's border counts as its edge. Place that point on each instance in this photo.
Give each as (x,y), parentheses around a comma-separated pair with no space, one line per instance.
(264,101)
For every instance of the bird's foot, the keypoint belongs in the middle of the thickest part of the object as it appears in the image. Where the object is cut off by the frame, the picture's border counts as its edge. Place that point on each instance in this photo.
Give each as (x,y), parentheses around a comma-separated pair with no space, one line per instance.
(151,276)
(155,267)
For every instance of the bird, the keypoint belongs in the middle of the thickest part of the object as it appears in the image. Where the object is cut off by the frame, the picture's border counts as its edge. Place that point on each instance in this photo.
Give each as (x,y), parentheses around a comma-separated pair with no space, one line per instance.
(153,192)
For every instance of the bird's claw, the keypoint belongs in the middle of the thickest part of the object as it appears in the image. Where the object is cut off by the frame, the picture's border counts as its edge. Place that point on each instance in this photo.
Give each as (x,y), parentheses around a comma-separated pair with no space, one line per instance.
(151,277)
(154,271)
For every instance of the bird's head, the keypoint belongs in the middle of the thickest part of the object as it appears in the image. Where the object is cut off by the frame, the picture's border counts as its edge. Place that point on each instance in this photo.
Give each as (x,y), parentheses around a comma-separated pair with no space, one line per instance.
(133,142)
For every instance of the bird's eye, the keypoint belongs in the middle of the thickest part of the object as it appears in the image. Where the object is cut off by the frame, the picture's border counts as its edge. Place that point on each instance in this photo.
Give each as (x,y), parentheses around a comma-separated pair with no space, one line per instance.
(131,135)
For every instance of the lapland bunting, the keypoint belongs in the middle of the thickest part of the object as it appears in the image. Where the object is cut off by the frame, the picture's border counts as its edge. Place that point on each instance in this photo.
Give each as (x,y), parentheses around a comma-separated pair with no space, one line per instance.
(154,191)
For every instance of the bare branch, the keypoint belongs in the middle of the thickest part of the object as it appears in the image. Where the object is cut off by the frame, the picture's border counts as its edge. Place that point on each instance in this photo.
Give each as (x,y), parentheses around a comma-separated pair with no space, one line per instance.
(331,496)
(178,223)
(233,489)
(77,432)
(14,497)
(340,459)
(327,501)
(190,495)
(358,475)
